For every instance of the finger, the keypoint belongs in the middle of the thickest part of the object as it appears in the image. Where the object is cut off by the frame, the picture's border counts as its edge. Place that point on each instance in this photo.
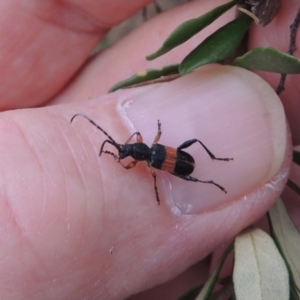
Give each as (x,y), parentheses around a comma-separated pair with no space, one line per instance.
(127,57)
(49,43)
(82,224)
(176,287)
(93,80)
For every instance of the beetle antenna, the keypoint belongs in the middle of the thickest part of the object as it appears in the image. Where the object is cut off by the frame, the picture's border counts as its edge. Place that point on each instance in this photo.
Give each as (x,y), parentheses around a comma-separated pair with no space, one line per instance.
(97,126)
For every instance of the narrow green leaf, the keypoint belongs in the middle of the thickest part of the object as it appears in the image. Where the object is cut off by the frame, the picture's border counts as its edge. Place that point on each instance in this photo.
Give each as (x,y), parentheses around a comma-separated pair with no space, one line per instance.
(217,46)
(191,294)
(145,76)
(269,60)
(189,28)
(287,238)
(259,270)
(294,295)
(211,282)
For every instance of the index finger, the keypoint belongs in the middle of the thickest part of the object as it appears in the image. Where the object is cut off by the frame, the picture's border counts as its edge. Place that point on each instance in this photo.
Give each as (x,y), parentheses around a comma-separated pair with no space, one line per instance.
(46,42)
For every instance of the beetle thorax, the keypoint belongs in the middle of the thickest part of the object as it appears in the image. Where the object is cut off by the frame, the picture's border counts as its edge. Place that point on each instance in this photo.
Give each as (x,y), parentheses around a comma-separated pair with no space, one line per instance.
(138,151)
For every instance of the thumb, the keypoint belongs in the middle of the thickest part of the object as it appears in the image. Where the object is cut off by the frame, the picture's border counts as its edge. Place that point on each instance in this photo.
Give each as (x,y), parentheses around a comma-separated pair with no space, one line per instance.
(88,227)
(235,114)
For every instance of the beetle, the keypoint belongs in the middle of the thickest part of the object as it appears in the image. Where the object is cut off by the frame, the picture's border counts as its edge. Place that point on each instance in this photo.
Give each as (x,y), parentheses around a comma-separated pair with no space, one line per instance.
(172,160)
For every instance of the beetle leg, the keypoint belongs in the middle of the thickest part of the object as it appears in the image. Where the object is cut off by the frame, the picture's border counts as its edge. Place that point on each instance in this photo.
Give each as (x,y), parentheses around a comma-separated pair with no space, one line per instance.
(130,165)
(190,178)
(116,157)
(158,132)
(193,141)
(155,186)
(139,138)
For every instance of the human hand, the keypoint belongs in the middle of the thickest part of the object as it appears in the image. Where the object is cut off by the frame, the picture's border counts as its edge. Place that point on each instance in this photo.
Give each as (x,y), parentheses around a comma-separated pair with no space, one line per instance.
(77,226)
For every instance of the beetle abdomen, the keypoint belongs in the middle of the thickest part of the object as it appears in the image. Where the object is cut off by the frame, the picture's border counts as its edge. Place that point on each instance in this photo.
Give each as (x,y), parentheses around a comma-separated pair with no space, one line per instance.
(185,163)
(171,160)
(169,163)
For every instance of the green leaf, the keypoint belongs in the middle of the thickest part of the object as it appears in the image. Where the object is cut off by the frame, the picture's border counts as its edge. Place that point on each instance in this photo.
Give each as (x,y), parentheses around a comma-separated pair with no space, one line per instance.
(217,46)
(293,293)
(191,294)
(145,76)
(269,60)
(287,239)
(259,270)
(211,282)
(189,28)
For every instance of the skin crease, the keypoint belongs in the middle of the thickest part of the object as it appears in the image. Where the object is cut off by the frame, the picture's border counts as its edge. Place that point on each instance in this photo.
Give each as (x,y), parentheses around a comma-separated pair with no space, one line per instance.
(57,244)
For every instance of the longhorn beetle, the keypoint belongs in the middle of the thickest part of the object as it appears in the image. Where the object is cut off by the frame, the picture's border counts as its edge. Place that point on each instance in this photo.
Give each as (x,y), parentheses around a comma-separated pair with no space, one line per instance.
(175,161)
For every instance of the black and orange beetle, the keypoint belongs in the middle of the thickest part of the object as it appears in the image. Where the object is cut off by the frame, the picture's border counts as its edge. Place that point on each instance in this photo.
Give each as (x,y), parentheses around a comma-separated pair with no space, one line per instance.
(175,161)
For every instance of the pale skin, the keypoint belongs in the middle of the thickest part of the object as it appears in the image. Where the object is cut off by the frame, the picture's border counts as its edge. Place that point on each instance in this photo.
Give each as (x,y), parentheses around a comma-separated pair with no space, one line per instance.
(74,226)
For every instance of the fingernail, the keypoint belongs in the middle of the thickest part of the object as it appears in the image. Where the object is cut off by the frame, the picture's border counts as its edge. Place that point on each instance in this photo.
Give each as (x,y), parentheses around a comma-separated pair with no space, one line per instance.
(233,112)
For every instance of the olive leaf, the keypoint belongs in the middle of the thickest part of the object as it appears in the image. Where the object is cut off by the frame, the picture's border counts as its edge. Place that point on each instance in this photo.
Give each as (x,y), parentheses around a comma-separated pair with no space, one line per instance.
(191,294)
(189,28)
(268,59)
(259,271)
(145,76)
(287,239)
(217,46)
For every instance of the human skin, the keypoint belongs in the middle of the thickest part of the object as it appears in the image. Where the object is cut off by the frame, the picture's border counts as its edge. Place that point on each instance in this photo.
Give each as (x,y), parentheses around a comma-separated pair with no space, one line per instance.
(76,226)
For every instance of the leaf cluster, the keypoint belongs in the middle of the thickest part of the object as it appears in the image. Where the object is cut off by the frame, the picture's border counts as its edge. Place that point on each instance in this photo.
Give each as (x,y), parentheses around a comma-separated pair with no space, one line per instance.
(222,46)
(265,266)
